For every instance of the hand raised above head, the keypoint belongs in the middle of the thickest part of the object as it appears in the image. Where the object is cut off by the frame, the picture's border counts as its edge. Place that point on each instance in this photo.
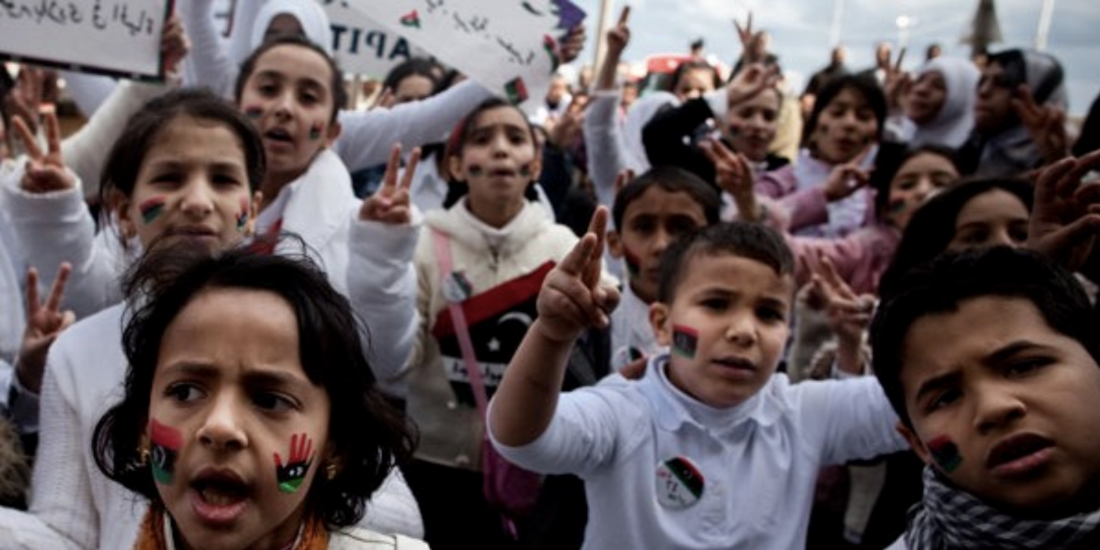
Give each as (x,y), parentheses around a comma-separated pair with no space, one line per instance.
(571,298)
(1065,218)
(391,203)
(618,37)
(45,172)
(44,323)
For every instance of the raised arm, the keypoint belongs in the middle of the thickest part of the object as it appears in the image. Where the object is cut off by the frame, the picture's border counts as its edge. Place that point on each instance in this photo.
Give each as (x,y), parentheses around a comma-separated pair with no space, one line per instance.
(210,61)
(367,136)
(571,300)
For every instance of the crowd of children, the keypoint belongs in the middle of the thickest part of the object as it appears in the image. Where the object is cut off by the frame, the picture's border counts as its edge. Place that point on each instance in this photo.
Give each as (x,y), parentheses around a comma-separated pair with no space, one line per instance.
(237,313)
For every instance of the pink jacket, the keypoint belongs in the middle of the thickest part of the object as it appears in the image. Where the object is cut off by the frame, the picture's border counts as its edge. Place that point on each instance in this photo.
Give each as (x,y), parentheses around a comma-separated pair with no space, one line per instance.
(860,258)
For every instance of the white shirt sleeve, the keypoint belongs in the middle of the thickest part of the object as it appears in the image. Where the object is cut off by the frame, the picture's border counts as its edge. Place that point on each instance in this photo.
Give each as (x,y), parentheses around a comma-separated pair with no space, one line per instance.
(366,137)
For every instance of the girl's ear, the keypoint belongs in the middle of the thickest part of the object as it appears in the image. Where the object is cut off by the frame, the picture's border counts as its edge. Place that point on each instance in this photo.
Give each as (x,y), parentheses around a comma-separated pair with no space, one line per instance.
(454,168)
(120,205)
(333,132)
(659,320)
(614,244)
(536,164)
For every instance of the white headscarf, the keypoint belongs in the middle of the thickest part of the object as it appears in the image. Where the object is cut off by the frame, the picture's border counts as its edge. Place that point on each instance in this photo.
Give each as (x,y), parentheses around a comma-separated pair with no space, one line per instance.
(639,114)
(309,13)
(952,124)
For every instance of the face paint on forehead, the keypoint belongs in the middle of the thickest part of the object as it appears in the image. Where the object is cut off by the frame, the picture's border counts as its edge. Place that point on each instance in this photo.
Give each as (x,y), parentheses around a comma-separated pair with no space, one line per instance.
(290,476)
(685,341)
(945,453)
(151,209)
(166,444)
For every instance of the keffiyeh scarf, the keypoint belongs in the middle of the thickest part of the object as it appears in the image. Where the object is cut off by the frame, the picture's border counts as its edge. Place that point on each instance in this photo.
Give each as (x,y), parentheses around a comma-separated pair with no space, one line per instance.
(949,518)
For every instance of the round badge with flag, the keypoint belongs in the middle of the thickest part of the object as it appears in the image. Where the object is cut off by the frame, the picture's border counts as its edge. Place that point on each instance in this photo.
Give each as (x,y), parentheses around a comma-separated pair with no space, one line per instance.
(679,483)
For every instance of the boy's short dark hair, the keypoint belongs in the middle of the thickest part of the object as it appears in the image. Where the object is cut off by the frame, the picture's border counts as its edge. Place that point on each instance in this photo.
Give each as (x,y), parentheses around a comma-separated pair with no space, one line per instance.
(672,180)
(748,240)
(368,437)
(941,285)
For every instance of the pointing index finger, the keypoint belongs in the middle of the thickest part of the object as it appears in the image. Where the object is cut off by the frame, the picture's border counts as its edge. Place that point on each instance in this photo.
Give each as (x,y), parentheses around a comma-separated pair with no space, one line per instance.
(625,15)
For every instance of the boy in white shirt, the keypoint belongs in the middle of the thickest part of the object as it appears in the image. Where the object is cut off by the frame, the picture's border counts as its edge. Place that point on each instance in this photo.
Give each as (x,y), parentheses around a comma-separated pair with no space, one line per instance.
(711,449)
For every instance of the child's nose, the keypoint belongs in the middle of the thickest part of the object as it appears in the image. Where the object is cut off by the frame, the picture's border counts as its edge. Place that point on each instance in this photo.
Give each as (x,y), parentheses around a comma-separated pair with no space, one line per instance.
(996,406)
(741,329)
(198,198)
(221,428)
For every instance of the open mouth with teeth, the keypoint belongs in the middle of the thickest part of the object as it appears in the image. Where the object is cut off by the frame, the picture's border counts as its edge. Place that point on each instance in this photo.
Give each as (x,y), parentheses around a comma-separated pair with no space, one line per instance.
(219,498)
(1019,454)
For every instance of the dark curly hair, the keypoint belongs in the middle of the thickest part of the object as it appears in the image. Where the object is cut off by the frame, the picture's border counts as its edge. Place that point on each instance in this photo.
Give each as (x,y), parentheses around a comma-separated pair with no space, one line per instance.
(369,438)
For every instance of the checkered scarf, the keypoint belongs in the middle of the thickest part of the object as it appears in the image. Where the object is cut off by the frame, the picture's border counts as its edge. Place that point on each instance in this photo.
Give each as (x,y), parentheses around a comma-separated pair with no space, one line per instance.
(950,518)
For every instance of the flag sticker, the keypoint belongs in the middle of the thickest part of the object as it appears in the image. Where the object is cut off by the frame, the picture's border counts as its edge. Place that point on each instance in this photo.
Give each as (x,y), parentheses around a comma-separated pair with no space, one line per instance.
(679,483)
(411,19)
(685,340)
(516,90)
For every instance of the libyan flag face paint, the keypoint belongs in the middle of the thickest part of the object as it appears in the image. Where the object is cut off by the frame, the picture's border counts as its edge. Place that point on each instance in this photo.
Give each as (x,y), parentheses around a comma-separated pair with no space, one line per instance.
(151,209)
(290,476)
(685,340)
(945,453)
(166,447)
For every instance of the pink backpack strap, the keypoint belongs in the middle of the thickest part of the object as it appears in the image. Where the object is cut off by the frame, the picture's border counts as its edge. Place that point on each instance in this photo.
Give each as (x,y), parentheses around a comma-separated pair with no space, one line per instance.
(473,369)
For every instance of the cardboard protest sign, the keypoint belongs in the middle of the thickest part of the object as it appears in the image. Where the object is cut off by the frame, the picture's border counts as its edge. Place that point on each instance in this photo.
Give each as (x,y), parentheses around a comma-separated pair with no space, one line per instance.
(509,46)
(117,37)
(364,47)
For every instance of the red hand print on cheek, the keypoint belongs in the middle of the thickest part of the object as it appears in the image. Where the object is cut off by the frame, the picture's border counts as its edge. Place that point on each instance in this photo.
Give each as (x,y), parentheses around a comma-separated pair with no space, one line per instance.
(290,476)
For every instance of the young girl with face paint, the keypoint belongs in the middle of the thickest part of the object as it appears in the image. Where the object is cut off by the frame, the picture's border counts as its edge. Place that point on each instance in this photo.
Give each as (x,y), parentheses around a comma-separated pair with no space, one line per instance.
(186,171)
(839,145)
(501,247)
(291,91)
(250,418)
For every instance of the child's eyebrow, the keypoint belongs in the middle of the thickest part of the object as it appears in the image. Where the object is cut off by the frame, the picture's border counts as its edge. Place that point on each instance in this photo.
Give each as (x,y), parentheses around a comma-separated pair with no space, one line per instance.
(267,378)
(936,383)
(1011,349)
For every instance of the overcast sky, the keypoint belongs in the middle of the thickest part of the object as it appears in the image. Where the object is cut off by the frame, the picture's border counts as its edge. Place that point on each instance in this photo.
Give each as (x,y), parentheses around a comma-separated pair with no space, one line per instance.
(801,31)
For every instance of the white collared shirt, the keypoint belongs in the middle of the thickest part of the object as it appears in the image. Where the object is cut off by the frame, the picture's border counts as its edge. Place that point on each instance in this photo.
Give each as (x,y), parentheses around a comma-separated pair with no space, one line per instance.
(759,460)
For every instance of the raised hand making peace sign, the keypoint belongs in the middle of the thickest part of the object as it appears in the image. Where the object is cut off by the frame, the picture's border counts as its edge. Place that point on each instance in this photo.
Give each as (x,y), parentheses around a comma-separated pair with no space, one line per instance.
(44,323)
(390,204)
(46,172)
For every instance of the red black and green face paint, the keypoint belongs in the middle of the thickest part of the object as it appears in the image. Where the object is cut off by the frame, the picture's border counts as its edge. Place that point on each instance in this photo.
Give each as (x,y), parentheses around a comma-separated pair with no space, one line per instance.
(242,217)
(945,453)
(290,476)
(685,341)
(315,131)
(166,444)
(476,170)
(151,209)
(253,112)
(633,263)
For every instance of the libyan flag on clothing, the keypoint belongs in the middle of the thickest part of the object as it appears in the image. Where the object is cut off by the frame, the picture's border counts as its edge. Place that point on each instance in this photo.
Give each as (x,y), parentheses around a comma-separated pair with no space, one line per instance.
(498,320)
